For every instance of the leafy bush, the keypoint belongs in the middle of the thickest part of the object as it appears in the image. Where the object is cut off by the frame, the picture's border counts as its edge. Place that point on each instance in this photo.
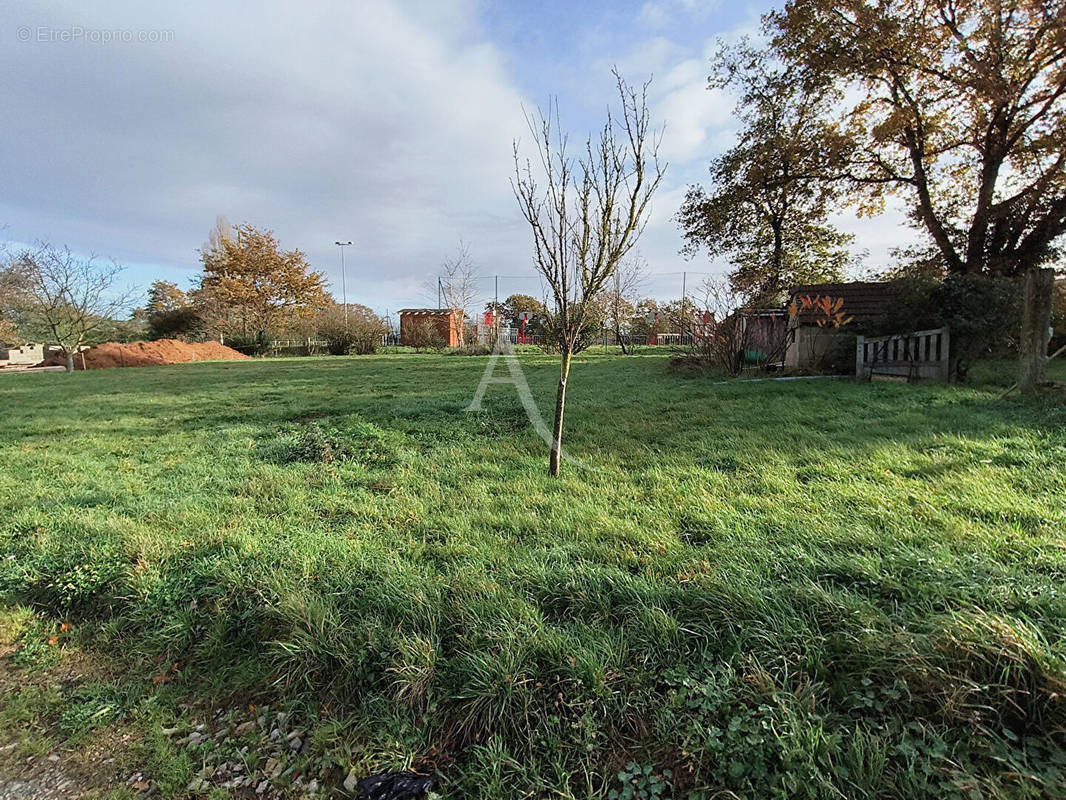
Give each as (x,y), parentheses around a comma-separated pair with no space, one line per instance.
(471,350)
(249,344)
(591,331)
(177,323)
(424,334)
(983,313)
(360,332)
(1058,316)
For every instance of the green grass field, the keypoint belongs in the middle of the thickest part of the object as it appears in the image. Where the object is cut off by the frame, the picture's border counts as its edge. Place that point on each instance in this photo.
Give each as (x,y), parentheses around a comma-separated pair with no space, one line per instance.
(761,590)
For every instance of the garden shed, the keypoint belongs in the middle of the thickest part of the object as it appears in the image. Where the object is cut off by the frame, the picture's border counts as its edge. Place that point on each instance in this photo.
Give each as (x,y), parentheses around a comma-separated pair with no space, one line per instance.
(816,335)
(418,324)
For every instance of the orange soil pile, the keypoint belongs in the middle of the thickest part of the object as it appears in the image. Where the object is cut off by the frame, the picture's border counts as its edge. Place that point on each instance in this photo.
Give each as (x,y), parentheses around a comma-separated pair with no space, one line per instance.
(148,354)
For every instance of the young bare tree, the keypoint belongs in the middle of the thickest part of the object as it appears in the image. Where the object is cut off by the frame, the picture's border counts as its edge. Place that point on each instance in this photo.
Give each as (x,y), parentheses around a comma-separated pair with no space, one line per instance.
(586,214)
(722,344)
(622,296)
(69,297)
(458,286)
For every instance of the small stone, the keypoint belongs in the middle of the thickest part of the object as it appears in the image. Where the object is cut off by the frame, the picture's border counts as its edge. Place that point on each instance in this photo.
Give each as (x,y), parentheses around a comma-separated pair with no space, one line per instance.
(350,782)
(262,787)
(53,757)
(140,786)
(196,785)
(312,787)
(296,744)
(244,727)
(170,731)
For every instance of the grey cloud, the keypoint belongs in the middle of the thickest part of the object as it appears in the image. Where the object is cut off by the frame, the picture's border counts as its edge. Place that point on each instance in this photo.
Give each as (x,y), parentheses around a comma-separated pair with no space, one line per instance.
(320,121)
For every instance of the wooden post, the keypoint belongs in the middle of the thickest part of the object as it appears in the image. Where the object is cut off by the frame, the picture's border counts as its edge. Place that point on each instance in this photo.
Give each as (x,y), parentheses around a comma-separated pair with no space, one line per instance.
(1036,328)
(859,365)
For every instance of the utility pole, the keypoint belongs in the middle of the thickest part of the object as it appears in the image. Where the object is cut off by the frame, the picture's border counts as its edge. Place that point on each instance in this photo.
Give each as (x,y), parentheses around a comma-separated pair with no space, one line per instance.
(438,293)
(344,287)
(684,294)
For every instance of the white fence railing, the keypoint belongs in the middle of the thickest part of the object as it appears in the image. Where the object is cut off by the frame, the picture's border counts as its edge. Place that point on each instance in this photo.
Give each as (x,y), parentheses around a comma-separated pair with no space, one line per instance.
(923,355)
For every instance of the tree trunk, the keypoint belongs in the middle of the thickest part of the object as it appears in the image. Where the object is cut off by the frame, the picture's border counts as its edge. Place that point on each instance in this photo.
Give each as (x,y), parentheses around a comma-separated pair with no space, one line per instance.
(1036,328)
(70,360)
(554,462)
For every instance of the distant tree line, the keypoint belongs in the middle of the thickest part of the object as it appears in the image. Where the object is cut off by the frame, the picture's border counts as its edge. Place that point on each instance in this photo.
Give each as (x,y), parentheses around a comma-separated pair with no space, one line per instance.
(625,318)
(250,292)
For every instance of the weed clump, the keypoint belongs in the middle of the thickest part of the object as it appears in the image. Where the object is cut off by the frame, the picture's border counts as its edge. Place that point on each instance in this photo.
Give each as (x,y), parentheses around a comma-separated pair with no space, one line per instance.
(317,442)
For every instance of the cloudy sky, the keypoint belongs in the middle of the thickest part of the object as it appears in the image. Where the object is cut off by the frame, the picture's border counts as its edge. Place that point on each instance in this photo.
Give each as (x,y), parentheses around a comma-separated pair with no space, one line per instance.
(129,126)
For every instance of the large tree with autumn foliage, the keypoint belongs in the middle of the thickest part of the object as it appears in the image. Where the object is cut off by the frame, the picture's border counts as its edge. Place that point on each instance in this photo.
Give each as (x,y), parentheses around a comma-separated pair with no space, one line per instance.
(957,105)
(770,196)
(249,284)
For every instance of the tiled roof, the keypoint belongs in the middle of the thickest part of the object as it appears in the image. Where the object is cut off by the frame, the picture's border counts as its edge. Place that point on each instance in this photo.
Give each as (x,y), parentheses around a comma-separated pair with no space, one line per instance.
(863,300)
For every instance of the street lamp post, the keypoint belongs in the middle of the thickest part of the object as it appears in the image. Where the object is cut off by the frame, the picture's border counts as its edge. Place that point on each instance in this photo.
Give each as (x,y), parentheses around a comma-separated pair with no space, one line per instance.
(344,288)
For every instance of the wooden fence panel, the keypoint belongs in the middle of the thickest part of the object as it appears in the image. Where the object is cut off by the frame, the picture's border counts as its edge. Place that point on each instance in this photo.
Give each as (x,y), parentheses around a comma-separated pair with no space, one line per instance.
(923,355)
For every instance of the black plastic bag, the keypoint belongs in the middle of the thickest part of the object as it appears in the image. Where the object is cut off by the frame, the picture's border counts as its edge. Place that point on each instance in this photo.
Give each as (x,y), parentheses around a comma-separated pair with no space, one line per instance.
(396,785)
